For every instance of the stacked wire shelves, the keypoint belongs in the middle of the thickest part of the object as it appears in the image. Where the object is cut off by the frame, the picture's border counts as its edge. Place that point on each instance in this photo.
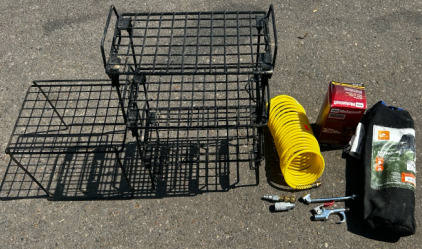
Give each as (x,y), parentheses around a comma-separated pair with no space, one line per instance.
(196,85)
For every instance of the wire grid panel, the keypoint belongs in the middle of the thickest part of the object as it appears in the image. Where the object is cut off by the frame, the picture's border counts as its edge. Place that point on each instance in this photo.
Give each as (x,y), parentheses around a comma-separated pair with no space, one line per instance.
(213,101)
(184,163)
(58,115)
(186,43)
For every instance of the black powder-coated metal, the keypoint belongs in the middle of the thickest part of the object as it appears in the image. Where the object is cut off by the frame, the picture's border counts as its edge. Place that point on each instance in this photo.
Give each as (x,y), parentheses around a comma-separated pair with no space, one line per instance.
(192,87)
(67,117)
(222,42)
(191,72)
(56,115)
(196,101)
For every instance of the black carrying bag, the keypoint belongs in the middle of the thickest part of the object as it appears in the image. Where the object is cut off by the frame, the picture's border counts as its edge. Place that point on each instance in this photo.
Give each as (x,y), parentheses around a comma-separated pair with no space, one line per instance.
(384,144)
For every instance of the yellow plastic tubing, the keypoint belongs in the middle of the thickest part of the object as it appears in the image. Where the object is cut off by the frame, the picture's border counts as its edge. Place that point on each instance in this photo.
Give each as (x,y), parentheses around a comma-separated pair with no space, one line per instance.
(301,161)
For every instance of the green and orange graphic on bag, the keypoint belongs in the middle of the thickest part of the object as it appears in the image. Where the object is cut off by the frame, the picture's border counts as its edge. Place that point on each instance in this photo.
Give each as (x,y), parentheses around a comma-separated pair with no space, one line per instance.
(393,158)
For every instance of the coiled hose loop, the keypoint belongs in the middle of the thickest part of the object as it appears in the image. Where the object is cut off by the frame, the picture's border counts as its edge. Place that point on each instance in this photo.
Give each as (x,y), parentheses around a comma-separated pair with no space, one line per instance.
(300,157)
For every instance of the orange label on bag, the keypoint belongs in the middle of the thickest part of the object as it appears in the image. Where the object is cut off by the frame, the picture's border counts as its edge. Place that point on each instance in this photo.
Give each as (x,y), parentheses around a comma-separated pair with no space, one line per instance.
(409,178)
(383,135)
(379,164)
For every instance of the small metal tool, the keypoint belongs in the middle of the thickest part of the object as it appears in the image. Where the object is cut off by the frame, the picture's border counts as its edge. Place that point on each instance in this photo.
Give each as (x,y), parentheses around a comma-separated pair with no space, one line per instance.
(307,199)
(276,198)
(283,206)
(321,213)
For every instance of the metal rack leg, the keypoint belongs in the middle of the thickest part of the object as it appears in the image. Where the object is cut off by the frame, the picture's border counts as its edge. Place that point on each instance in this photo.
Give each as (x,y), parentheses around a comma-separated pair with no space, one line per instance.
(125,23)
(49,195)
(133,117)
(119,95)
(130,32)
(259,153)
(259,100)
(116,151)
(261,86)
(142,155)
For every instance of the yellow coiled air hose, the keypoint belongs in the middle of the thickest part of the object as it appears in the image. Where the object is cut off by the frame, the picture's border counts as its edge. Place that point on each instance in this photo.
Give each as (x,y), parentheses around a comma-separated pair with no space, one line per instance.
(300,157)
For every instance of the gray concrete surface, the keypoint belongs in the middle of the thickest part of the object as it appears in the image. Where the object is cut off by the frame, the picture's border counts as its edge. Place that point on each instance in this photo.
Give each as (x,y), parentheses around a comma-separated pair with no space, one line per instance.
(378,43)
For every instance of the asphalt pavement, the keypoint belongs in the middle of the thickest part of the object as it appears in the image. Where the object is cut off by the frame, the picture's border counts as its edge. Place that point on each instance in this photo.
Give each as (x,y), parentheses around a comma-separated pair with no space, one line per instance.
(378,43)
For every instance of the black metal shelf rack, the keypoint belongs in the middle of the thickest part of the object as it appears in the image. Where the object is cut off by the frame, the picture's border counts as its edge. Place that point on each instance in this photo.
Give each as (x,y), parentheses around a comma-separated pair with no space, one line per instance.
(66,117)
(193,73)
(193,101)
(241,42)
(191,87)
(56,115)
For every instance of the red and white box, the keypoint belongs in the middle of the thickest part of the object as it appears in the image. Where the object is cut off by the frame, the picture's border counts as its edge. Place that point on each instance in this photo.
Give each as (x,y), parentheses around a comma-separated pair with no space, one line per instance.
(340,113)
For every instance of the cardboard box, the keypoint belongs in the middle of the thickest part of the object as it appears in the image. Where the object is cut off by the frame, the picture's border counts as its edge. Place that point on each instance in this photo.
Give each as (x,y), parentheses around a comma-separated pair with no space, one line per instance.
(340,113)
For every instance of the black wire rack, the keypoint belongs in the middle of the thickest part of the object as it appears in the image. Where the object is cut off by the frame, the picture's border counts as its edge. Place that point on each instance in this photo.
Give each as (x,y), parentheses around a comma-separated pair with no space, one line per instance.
(193,101)
(229,42)
(190,162)
(191,87)
(66,117)
(185,163)
(191,71)
(56,115)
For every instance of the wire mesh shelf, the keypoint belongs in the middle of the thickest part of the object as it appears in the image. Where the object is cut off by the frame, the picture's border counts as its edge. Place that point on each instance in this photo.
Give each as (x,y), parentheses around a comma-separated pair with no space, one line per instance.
(198,160)
(189,101)
(226,42)
(185,163)
(57,115)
